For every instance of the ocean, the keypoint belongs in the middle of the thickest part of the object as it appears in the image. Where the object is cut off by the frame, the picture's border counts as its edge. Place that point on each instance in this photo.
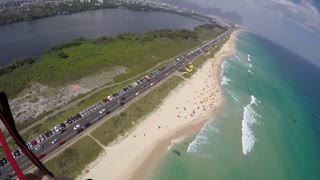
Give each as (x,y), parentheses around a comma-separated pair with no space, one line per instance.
(270,126)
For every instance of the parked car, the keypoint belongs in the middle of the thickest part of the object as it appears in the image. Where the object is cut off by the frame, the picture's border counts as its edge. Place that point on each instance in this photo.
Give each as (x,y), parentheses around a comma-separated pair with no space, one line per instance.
(14,155)
(63,125)
(17,152)
(42,137)
(29,145)
(34,142)
(106,100)
(47,134)
(4,160)
(20,151)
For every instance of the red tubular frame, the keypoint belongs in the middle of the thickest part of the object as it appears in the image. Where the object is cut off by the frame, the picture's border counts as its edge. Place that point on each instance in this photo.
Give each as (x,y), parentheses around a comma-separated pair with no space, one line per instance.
(7,120)
(12,161)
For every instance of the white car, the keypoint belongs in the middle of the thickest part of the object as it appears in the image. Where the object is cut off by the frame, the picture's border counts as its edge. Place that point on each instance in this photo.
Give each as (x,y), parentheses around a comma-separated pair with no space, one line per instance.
(55,141)
(76,127)
(102,111)
(38,147)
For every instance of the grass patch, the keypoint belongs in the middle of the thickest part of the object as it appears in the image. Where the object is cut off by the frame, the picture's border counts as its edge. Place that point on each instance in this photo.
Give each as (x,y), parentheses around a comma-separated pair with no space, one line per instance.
(67,63)
(120,124)
(26,123)
(207,33)
(74,159)
(87,58)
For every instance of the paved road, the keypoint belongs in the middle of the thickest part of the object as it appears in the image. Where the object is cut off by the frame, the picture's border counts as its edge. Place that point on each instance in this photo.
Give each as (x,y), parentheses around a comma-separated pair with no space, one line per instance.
(109,107)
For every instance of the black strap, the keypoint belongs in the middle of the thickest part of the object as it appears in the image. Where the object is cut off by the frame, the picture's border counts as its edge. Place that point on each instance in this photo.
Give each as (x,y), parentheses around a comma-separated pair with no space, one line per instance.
(11,127)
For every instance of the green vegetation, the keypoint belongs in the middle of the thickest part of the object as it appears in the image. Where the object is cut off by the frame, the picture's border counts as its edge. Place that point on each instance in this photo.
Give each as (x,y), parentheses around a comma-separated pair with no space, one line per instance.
(71,161)
(37,11)
(18,63)
(31,12)
(68,62)
(28,122)
(120,124)
(206,32)
(136,52)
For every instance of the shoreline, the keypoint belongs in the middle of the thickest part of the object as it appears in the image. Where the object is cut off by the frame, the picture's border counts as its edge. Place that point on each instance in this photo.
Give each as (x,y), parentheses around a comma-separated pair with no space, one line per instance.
(181,117)
(152,160)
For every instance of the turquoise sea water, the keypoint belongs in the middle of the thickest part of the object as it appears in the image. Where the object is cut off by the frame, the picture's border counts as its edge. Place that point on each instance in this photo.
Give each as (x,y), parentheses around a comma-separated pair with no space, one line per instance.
(270,128)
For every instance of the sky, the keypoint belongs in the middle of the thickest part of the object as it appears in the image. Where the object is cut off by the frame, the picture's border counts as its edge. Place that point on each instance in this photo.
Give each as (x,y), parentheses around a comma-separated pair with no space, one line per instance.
(294,24)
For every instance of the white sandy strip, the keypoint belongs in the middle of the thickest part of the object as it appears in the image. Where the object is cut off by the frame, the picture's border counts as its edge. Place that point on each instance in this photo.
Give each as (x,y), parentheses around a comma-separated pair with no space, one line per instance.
(193,99)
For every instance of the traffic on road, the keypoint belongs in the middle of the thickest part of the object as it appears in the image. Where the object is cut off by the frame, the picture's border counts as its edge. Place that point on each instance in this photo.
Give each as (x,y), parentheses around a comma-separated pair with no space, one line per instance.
(52,140)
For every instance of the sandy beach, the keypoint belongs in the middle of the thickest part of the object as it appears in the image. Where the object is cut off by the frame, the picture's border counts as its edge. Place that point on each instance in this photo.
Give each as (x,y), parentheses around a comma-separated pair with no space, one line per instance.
(181,114)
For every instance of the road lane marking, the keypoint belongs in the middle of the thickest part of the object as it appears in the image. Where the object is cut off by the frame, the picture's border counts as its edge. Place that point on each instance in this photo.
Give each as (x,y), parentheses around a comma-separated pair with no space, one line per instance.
(142,89)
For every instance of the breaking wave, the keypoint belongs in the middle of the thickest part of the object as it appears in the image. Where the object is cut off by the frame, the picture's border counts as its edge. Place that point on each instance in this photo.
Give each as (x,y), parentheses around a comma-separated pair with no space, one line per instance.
(248,58)
(250,65)
(202,138)
(249,118)
(225,65)
(225,80)
(249,71)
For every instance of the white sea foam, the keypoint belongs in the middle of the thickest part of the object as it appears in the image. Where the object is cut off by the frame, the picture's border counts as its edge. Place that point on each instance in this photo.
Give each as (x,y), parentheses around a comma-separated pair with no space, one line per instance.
(201,138)
(249,118)
(248,58)
(254,100)
(225,80)
(225,65)
(249,71)
(250,65)
(206,156)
